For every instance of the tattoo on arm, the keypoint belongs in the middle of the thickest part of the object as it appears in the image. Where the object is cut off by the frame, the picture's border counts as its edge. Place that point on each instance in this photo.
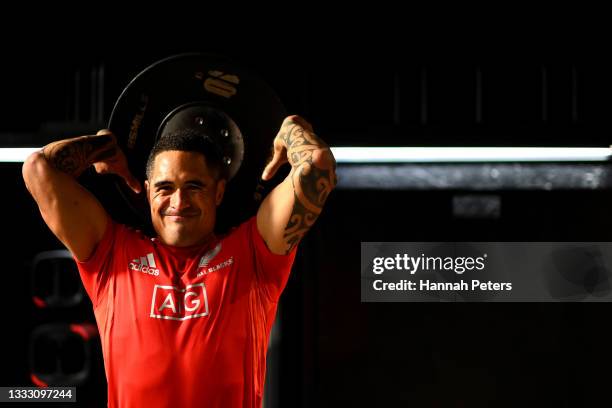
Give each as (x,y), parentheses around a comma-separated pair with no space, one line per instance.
(313,176)
(74,156)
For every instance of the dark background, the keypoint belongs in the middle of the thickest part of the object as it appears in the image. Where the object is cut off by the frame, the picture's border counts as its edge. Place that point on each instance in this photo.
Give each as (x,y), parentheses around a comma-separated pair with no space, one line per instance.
(362,87)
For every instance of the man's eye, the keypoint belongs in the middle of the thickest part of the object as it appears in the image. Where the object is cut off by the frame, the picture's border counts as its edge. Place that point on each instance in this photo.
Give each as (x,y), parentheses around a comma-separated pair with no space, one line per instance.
(194,187)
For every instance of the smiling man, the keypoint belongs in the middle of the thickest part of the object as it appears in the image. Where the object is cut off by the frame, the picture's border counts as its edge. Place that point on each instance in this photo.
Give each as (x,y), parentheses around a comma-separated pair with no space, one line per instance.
(185,184)
(185,316)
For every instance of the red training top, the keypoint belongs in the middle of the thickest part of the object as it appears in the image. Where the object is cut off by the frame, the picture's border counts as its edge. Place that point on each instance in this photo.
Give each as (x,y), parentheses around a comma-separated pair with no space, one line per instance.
(184,327)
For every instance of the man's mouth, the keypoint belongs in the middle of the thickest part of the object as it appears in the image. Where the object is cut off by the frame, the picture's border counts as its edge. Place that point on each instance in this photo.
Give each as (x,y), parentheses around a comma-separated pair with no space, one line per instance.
(180,216)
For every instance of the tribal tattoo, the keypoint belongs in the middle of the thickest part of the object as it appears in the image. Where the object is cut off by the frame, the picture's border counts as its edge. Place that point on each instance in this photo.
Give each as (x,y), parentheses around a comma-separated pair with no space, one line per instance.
(74,156)
(313,177)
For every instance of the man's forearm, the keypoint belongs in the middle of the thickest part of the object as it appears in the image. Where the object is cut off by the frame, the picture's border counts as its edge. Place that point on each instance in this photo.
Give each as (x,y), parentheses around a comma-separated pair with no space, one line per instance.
(313,176)
(74,156)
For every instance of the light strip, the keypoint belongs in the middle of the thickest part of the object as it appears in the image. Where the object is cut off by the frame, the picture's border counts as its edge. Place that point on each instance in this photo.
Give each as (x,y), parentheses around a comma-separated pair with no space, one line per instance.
(16,154)
(469,154)
(423,154)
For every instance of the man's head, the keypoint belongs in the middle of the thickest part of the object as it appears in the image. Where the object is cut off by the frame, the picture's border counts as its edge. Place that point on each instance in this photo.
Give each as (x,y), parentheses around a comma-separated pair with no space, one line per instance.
(185,184)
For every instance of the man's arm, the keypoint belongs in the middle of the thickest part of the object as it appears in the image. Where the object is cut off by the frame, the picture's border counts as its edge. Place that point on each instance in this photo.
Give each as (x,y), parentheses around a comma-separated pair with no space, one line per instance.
(72,213)
(289,211)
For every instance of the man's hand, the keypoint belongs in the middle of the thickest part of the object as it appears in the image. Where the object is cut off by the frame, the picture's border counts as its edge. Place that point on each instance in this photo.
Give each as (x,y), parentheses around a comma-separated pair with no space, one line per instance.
(115,162)
(292,207)
(74,156)
(279,157)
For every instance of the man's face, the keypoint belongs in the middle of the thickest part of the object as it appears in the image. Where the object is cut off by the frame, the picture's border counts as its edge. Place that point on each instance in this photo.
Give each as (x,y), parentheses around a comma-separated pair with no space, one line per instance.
(184,196)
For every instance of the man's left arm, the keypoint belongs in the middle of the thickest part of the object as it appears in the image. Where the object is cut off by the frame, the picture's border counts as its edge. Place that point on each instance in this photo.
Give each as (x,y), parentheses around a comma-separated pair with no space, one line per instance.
(289,211)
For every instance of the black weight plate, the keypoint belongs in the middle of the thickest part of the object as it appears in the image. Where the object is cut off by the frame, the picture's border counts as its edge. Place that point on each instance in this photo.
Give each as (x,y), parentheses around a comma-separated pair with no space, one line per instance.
(216,83)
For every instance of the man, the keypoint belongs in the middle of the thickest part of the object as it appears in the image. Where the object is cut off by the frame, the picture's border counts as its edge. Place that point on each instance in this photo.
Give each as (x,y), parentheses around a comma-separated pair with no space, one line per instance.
(184,317)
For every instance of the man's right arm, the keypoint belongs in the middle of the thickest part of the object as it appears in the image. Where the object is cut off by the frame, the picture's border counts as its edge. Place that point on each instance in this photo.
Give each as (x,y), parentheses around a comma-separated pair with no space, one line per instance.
(72,213)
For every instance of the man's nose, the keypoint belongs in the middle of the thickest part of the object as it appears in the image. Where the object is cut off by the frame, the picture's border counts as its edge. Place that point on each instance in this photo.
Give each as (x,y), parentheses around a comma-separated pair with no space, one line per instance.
(180,199)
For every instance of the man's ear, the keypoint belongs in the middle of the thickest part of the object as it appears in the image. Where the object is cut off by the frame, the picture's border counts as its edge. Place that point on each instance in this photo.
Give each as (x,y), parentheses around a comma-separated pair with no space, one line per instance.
(146,184)
(220,191)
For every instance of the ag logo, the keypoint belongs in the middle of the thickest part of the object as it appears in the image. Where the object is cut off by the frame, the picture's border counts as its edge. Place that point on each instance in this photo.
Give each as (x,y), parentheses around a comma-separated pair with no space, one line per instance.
(173,303)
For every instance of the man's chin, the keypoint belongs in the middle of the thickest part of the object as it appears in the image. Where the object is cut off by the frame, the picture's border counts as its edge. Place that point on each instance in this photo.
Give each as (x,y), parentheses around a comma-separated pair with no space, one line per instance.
(181,234)
(175,235)
(177,242)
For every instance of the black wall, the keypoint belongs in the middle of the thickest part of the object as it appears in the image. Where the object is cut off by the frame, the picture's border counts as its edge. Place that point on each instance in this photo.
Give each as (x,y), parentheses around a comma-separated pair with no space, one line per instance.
(335,350)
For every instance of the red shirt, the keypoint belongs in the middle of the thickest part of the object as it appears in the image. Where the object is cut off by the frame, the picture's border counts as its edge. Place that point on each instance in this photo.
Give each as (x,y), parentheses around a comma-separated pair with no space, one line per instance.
(185,327)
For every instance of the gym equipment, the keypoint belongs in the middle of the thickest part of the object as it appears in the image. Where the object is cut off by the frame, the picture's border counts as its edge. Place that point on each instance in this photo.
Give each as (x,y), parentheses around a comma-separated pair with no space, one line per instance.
(232,105)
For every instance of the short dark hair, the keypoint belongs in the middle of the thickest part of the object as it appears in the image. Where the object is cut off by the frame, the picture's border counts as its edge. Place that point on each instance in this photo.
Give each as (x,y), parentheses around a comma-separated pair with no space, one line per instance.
(189,140)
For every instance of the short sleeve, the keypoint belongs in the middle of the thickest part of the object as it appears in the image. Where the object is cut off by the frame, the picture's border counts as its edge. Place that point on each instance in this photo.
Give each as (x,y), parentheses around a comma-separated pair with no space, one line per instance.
(96,269)
(272,270)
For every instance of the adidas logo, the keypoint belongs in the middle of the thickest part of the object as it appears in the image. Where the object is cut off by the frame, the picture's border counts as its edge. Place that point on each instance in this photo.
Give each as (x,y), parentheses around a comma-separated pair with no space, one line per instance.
(145,264)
